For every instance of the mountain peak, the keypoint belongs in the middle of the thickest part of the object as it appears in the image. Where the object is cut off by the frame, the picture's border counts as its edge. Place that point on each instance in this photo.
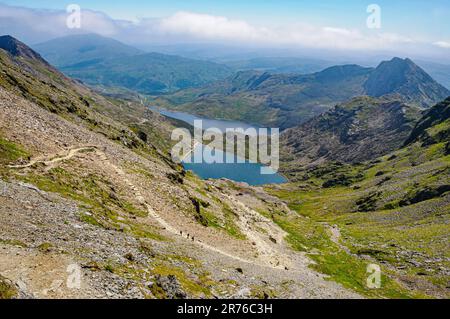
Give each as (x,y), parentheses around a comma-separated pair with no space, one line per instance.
(404,77)
(17,48)
(399,62)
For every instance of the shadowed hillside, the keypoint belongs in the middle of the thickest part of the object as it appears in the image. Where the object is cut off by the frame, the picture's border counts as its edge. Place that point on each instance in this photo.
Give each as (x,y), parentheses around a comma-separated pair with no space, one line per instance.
(362,129)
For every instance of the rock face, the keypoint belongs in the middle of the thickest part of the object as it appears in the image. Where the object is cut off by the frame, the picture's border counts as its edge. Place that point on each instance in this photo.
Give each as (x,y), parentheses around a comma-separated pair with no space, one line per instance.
(403,77)
(363,129)
(437,117)
(170,287)
(18,49)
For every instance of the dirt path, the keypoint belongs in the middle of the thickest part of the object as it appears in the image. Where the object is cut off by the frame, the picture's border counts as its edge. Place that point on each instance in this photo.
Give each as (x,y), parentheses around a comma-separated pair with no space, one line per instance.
(56,158)
(271,258)
(196,143)
(169,227)
(266,250)
(335,236)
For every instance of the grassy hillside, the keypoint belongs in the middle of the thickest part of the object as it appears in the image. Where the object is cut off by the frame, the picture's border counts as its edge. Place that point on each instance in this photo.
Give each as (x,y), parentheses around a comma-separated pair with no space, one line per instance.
(393,211)
(280,65)
(150,73)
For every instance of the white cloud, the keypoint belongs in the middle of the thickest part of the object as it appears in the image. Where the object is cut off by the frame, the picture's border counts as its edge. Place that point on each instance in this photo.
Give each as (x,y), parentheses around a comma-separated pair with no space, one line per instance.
(208,27)
(442,44)
(32,26)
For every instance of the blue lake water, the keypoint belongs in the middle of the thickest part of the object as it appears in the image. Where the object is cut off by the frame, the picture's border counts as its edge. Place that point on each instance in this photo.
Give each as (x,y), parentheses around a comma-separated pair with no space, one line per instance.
(206,123)
(247,172)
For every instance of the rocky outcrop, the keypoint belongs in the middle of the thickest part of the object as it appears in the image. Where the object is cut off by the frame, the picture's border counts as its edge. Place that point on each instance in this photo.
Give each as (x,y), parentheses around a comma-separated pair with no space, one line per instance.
(363,129)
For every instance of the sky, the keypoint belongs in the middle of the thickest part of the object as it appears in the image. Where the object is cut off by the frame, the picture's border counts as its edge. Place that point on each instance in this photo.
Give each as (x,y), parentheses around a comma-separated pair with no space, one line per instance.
(404,26)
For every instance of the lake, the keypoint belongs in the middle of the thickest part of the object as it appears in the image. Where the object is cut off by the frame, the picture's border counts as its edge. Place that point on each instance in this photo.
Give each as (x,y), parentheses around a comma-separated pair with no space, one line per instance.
(247,172)
(206,123)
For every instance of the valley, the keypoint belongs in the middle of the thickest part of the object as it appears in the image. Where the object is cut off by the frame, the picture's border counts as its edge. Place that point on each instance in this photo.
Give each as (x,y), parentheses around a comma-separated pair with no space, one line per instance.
(248,172)
(87,181)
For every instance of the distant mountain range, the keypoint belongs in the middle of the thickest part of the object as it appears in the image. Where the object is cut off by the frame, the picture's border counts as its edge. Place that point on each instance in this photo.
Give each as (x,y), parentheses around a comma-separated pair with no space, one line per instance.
(101,61)
(75,164)
(285,100)
(83,50)
(280,65)
(439,72)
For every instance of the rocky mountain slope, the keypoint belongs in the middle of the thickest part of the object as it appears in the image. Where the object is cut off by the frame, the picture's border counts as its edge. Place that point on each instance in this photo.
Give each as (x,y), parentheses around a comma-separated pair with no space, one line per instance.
(18,49)
(434,126)
(87,189)
(284,101)
(362,129)
(405,78)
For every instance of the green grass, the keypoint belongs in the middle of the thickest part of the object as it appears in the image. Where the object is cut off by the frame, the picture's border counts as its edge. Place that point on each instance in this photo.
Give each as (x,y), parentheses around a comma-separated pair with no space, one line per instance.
(206,215)
(94,195)
(230,224)
(371,237)
(10,152)
(7,291)
(13,242)
(410,237)
(45,247)
(311,237)
(196,287)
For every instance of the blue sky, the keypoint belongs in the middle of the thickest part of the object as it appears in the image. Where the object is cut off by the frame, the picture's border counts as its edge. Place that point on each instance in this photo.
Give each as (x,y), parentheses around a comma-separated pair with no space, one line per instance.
(418,26)
(417,18)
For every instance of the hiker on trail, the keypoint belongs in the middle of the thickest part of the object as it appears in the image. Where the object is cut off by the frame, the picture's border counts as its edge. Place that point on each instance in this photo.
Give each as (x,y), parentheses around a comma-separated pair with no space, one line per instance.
(181,232)
(192,238)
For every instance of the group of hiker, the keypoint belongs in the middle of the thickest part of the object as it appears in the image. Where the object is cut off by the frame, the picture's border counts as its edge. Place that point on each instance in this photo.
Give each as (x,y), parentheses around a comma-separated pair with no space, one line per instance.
(188,236)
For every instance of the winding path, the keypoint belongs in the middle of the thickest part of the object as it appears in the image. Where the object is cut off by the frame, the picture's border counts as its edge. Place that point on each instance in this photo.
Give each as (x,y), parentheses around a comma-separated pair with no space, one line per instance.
(73,152)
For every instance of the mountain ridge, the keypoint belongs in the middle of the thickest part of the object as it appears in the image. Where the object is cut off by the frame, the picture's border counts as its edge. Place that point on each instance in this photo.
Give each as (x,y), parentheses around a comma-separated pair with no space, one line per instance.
(404,77)
(110,64)
(87,180)
(359,130)
(83,48)
(19,49)
(288,100)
